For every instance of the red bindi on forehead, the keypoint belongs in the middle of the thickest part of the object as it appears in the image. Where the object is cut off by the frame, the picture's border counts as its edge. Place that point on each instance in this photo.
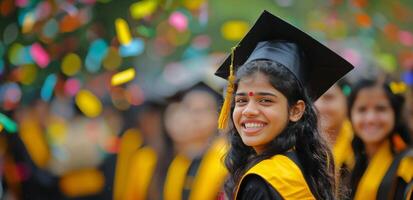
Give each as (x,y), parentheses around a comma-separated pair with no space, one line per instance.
(250,94)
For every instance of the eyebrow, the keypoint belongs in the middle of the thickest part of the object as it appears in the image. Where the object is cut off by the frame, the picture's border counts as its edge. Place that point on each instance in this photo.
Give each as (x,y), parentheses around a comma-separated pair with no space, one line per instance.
(258,93)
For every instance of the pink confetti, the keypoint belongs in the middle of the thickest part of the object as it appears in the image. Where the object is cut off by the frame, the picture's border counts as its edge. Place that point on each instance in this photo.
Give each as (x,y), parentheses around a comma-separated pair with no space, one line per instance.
(179,21)
(39,55)
(352,56)
(72,86)
(406,38)
(21,3)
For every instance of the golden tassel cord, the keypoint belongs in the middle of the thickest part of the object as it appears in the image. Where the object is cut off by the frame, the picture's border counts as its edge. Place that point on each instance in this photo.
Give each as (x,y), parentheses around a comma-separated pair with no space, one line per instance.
(226,106)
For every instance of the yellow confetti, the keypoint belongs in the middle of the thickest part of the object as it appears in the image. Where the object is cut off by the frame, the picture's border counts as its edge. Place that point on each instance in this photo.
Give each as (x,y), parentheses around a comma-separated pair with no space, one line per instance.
(143,8)
(71,64)
(234,30)
(88,103)
(193,4)
(123,76)
(398,87)
(28,23)
(122,30)
(27,74)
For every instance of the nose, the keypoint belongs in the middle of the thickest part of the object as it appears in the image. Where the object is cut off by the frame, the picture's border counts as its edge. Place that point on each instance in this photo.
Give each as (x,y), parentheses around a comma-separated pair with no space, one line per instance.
(251,109)
(370,116)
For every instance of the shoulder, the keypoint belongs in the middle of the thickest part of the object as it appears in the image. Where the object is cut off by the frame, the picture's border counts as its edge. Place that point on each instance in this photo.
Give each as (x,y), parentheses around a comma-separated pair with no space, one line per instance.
(255,187)
(405,168)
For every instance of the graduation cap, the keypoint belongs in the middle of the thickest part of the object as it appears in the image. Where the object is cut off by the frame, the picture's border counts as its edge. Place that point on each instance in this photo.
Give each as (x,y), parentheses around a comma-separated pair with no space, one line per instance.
(201,86)
(315,66)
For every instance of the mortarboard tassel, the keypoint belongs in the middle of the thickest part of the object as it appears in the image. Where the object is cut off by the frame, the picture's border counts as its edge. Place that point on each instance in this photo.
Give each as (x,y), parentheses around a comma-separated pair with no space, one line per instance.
(226,106)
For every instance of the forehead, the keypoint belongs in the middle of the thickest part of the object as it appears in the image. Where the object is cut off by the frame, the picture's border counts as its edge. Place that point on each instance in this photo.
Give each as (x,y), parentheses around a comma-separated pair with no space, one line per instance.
(372,95)
(255,80)
(198,97)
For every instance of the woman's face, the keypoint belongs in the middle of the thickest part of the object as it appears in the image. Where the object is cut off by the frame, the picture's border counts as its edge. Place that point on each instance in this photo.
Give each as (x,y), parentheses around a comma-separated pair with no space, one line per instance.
(372,115)
(261,111)
(332,107)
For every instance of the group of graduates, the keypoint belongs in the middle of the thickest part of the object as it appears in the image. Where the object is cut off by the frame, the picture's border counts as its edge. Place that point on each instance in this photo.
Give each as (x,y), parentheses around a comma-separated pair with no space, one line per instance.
(291,128)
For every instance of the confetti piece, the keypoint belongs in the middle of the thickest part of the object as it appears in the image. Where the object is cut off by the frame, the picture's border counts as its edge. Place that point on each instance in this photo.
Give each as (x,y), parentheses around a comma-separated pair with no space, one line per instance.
(28,22)
(97,52)
(123,77)
(135,48)
(27,74)
(145,31)
(11,32)
(8,124)
(11,95)
(387,62)
(39,55)
(88,103)
(363,20)
(398,87)
(1,128)
(406,38)
(234,30)
(179,21)
(408,78)
(51,28)
(69,23)
(19,55)
(72,86)
(71,64)
(112,60)
(48,87)
(193,4)
(21,3)
(122,30)
(143,8)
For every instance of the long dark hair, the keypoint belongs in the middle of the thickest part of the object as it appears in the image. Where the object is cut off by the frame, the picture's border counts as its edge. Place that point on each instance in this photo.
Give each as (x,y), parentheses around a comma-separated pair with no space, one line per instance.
(303,135)
(396,103)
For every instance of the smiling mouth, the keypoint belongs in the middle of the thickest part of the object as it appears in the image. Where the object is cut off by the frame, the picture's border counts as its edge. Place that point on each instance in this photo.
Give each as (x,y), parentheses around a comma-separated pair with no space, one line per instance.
(253,127)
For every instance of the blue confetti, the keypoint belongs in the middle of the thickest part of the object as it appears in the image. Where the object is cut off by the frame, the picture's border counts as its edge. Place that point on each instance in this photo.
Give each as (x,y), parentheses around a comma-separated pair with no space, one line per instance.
(134,48)
(408,77)
(97,52)
(48,87)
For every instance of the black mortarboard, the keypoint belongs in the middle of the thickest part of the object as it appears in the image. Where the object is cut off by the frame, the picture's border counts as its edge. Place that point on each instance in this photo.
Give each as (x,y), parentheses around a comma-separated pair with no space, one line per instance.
(315,66)
(271,38)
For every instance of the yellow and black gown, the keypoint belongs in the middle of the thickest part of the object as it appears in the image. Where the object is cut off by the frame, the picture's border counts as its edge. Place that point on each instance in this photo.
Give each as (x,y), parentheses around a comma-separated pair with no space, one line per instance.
(197,179)
(130,142)
(279,177)
(387,175)
(342,149)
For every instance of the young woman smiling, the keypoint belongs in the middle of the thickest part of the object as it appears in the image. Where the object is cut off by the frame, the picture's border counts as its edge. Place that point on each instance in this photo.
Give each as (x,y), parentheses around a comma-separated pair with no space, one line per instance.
(276,150)
(384,163)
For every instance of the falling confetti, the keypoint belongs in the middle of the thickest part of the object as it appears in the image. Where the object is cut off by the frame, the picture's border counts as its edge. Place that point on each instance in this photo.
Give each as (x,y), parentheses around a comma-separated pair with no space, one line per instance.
(88,103)
(48,87)
(39,55)
(71,64)
(134,48)
(234,30)
(123,77)
(8,124)
(143,8)
(122,30)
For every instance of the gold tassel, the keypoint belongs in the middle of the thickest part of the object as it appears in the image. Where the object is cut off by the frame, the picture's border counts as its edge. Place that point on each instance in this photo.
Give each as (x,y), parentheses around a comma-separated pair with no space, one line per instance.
(226,106)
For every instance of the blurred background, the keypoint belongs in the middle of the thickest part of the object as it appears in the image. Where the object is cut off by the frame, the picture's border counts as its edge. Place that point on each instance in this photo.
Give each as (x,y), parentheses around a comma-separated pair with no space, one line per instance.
(76,75)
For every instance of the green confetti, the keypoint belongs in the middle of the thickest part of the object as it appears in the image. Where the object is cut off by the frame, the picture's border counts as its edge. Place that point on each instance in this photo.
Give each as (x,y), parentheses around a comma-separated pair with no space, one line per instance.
(8,124)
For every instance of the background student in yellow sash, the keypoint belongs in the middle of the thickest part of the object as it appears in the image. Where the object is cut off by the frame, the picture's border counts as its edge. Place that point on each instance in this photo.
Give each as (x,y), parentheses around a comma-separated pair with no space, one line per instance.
(197,172)
(276,150)
(384,162)
(335,126)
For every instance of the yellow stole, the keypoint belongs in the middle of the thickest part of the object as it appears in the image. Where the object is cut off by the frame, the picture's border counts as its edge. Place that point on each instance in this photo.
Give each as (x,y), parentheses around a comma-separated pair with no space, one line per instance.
(342,149)
(130,142)
(376,169)
(140,174)
(283,175)
(209,177)
(82,182)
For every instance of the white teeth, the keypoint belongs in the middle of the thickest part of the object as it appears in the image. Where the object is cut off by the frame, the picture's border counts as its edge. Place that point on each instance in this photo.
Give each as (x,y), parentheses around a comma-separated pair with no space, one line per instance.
(253,125)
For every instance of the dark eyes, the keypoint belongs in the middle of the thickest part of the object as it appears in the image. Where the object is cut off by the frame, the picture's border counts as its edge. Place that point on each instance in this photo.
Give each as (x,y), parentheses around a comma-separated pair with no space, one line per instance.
(243,101)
